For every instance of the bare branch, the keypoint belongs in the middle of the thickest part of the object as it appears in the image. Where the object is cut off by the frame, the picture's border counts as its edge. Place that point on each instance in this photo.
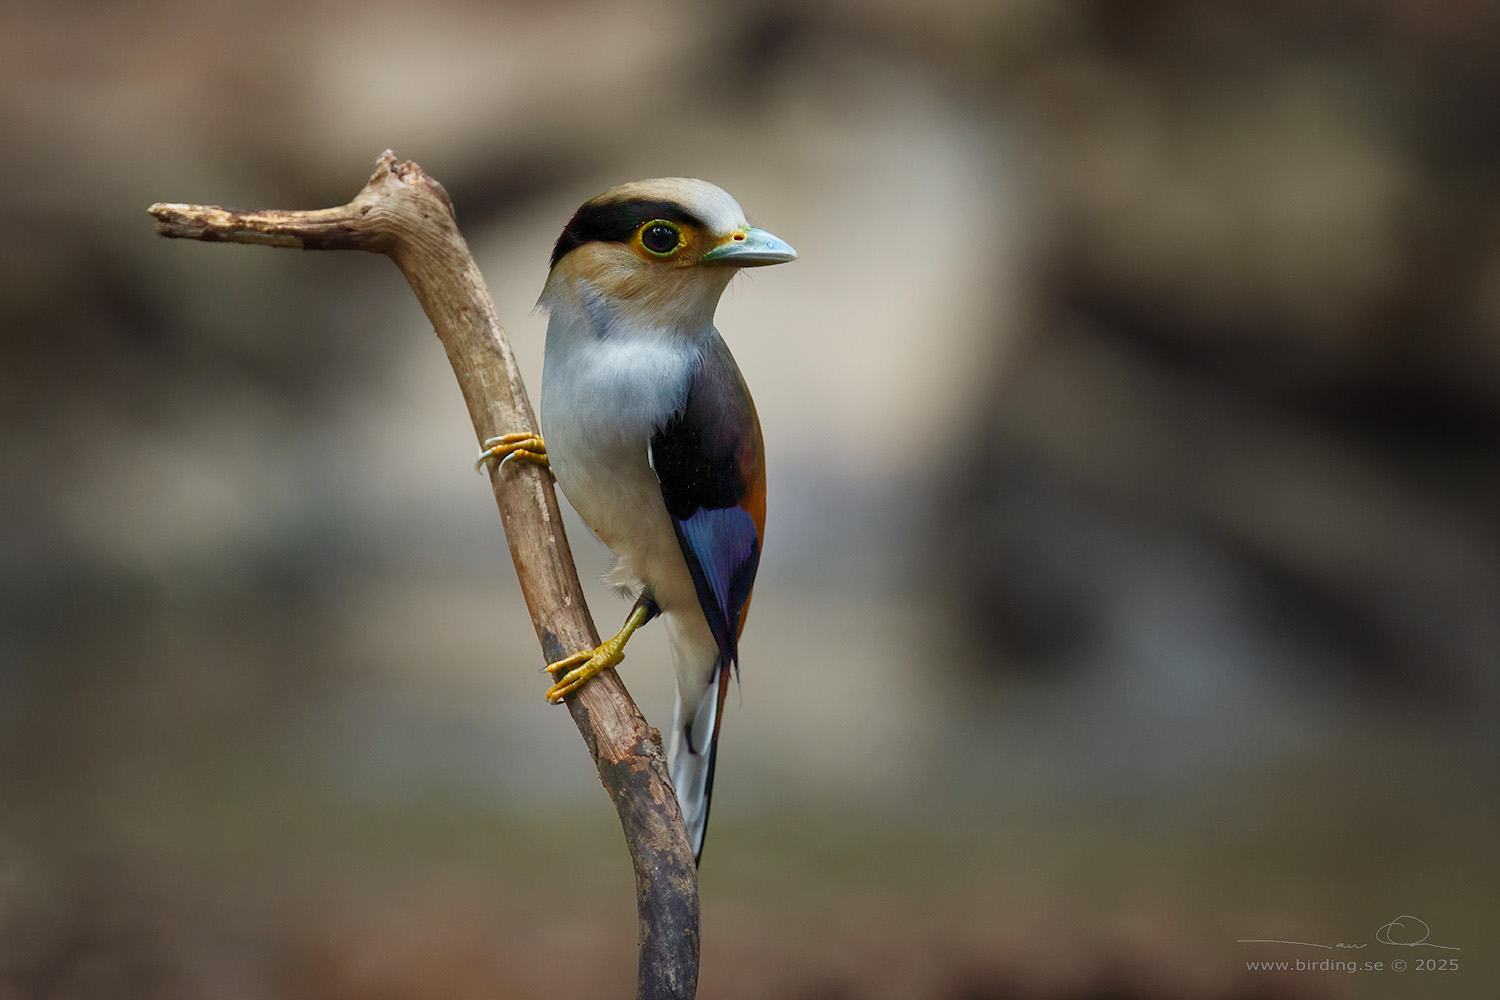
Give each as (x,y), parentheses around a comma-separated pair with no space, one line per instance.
(407,216)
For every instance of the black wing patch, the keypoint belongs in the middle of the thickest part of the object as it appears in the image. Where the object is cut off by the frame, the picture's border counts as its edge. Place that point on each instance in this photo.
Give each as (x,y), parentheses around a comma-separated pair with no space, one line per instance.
(696,458)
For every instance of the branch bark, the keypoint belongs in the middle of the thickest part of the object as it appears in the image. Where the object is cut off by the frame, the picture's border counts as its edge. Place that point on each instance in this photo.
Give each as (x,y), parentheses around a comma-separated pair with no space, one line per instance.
(406,215)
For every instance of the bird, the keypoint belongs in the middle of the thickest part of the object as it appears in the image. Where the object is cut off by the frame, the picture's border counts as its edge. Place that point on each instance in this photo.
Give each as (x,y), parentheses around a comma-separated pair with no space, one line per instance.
(650,431)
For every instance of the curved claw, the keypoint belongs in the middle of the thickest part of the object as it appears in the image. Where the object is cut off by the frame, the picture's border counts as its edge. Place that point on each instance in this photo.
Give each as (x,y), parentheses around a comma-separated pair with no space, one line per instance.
(523,445)
(583,667)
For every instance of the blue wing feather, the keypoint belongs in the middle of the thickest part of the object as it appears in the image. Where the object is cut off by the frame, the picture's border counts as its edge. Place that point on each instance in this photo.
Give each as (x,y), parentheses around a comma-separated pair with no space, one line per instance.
(723,550)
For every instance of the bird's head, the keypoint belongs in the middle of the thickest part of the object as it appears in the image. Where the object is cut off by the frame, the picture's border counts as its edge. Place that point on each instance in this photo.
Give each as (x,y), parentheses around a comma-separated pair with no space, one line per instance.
(659,252)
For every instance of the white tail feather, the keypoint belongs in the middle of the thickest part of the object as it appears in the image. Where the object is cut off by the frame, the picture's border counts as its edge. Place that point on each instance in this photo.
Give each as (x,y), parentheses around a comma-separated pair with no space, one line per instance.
(691,758)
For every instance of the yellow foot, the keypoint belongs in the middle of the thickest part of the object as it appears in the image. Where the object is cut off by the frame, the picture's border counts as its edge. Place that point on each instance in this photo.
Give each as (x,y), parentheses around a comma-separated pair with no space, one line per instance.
(582,667)
(525,446)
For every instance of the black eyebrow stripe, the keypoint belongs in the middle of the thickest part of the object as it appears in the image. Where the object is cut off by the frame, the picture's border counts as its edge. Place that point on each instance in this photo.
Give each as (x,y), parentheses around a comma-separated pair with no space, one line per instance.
(616,222)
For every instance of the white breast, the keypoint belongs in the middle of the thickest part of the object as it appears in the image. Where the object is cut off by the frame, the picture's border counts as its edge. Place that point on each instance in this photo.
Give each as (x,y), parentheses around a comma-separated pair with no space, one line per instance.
(602,398)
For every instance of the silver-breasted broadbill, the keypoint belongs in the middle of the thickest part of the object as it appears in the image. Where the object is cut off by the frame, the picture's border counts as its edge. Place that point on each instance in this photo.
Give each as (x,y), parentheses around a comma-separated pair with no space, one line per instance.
(652,435)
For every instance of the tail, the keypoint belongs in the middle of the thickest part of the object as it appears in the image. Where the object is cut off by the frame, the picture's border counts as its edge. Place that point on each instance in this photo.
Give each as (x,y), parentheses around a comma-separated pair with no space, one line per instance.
(695,745)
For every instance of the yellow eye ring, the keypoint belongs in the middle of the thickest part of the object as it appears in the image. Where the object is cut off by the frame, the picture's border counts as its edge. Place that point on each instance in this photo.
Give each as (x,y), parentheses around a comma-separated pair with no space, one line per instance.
(661,238)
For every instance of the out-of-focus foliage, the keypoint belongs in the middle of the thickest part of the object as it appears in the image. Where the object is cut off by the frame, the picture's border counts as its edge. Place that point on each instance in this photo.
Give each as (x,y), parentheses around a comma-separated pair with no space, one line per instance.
(1134,549)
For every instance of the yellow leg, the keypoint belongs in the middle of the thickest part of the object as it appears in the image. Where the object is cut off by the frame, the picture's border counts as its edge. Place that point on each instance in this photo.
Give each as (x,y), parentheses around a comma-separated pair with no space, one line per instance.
(583,666)
(526,446)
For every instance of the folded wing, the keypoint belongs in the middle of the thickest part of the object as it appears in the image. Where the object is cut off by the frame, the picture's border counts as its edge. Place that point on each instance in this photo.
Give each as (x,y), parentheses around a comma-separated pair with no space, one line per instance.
(710,463)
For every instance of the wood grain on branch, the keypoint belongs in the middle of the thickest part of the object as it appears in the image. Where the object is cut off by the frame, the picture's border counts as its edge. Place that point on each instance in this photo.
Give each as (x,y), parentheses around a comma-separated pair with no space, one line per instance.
(407,216)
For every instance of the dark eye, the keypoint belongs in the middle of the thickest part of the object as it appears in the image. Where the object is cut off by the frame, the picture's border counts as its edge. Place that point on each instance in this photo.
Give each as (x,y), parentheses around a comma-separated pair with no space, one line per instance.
(661,238)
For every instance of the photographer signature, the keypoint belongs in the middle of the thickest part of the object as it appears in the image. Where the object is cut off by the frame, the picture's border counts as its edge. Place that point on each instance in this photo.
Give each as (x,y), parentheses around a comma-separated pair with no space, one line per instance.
(1406,931)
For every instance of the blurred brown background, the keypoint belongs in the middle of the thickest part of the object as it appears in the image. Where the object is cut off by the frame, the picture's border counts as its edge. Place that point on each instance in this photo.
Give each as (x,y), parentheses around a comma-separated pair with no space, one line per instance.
(1133,574)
